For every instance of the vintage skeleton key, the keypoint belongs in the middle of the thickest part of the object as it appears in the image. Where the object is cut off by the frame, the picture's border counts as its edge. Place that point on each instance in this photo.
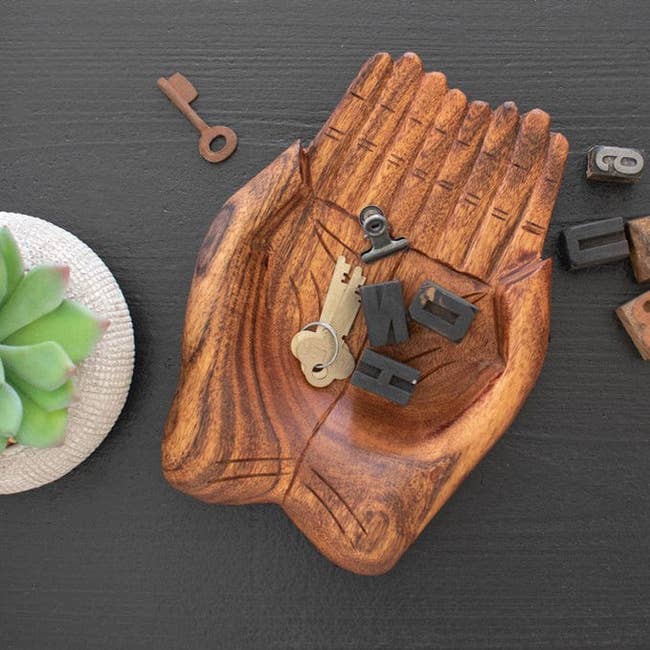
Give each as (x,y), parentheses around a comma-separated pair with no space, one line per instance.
(314,349)
(182,93)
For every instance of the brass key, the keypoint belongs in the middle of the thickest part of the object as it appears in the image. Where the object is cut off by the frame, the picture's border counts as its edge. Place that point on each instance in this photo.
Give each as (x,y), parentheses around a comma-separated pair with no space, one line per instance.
(182,93)
(340,309)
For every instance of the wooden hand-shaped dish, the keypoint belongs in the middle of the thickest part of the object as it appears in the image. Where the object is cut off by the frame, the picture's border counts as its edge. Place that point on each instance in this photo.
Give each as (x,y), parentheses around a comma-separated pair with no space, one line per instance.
(473,191)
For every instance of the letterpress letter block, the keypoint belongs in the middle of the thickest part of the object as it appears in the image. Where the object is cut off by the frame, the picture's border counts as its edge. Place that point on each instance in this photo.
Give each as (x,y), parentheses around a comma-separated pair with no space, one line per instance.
(383,308)
(614,164)
(442,311)
(385,377)
(594,243)
(638,231)
(635,316)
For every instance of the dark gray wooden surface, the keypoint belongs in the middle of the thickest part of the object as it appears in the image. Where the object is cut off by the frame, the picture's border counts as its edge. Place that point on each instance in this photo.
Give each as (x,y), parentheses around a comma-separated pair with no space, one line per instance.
(544,546)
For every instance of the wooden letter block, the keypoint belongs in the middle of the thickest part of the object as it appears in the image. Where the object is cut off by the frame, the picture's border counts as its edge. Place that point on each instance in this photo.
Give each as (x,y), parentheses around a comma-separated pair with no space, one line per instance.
(383,308)
(442,311)
(638,231)
(635,316)
(594,243)
(614,164)
(385,377)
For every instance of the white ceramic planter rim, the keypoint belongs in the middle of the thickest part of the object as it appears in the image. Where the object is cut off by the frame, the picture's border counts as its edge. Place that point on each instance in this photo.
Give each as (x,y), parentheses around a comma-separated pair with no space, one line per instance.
(103,380)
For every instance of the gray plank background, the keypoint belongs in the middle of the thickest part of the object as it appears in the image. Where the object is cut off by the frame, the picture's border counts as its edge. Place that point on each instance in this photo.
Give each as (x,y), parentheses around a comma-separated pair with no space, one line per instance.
(544,546)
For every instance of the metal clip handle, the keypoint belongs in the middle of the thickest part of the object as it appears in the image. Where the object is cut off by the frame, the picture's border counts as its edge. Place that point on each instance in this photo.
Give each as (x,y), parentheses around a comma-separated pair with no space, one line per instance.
(375,225)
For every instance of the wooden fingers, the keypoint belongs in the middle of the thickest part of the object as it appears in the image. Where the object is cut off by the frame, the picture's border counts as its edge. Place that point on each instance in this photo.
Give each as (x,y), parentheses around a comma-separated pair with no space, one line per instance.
(492,160)
(349,115)
(530,233)
(428,225)
(350,174)
(474,188)
(502,216)
(399,154)
(417,181)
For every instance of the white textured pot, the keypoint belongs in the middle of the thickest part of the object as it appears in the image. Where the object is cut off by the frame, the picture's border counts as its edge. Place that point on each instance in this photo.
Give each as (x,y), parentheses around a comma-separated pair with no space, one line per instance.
(103,380)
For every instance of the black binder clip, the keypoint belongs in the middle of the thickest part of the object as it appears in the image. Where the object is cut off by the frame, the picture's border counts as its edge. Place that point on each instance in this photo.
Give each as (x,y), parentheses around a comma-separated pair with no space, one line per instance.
(375,225)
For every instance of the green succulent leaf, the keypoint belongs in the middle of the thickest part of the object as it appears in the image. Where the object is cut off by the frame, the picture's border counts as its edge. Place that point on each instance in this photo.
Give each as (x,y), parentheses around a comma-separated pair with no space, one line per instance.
(11,412)
(40,428)
(75,328)
(44,365)
(3,280)
(42,338)
(39,292)
(48,400)
(13,262)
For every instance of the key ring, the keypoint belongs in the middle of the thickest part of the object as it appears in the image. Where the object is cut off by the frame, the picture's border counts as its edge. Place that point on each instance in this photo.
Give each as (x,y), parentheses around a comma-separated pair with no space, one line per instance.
(317,323)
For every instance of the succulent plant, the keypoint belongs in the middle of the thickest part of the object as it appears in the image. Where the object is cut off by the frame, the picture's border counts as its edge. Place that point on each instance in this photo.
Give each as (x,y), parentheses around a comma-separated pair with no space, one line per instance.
(43,338)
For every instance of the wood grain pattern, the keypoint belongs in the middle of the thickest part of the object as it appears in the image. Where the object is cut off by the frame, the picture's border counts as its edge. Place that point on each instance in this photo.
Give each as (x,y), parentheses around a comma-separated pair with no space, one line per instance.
(475,191)
(635,316)
(639,237)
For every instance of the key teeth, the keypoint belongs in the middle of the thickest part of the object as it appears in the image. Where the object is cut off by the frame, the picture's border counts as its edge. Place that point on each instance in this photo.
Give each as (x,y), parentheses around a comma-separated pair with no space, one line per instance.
(342,263)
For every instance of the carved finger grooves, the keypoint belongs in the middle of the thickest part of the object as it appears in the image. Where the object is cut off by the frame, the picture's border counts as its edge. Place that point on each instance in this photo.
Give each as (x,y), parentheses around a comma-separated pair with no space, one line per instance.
(406,140)
(341,499)
(444,263)
(444,194)
(366,144)
(336,238)
(312,434)
(348,117)
(419,355)
(533,228)
(508,239)
(296,293)
(269,459)
(243,477)
(347,181)
(480,186)
(528,240)
(492,237)
(321,241)
(453,120)
(475,296)
(339,525)
(429,155)
(354,206)
(437,369)
(316,291)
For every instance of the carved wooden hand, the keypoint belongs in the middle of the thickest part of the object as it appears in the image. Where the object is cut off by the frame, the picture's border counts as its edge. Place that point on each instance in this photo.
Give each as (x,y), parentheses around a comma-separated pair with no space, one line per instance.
(473,191)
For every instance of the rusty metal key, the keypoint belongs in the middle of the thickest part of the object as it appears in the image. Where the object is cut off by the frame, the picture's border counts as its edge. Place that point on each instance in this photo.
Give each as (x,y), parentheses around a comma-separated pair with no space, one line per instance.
(182,93)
